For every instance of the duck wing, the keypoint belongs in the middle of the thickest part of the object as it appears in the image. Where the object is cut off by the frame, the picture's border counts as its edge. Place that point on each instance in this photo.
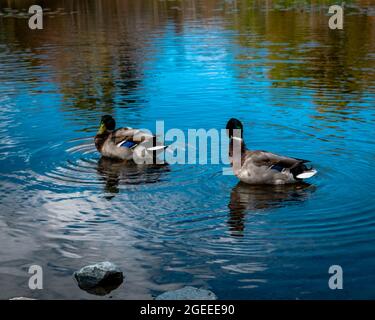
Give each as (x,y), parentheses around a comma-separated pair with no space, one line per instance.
(264,158)
(277,162)
(131,138)
(129,134)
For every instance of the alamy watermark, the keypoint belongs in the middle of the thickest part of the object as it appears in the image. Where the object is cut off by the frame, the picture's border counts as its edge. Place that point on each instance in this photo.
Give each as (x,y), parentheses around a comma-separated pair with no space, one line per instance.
(336,21)
(336,281)
(197,146)
(36,20)
(36,280)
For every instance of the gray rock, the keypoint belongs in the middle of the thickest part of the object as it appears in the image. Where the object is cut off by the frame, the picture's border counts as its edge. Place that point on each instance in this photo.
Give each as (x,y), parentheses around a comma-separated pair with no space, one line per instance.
(21,298)
(100,278)
(187,293)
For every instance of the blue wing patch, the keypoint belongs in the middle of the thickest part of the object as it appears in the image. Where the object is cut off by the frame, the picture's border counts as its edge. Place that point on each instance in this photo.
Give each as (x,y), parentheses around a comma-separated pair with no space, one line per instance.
(128,144)
(277,167)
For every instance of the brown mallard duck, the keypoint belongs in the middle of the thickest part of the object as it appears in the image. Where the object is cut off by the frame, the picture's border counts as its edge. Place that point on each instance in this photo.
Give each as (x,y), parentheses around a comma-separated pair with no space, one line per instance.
(126,143)
(263,167)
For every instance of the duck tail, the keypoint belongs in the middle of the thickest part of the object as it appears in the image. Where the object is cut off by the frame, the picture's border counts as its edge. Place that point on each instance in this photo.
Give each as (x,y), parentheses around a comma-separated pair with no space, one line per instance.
(307,174)
(157,148)
(301,171)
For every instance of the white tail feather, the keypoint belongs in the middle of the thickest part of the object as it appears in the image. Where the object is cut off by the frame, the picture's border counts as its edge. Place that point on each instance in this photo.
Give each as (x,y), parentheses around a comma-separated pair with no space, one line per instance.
(156,148)
(307,174)
(237,138)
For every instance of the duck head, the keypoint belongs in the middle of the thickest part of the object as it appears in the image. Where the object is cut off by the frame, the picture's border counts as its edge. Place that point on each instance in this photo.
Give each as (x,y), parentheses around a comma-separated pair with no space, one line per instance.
(234,128)
(107,123)
(237,148)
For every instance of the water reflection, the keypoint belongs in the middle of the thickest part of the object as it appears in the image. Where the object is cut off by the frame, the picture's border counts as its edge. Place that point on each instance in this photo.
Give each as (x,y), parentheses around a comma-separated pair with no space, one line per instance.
(115,173)
(285,43)
(246,198)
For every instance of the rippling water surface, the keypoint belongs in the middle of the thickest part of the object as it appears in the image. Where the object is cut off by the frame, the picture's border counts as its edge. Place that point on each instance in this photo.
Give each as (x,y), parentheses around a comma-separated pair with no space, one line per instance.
(301,90)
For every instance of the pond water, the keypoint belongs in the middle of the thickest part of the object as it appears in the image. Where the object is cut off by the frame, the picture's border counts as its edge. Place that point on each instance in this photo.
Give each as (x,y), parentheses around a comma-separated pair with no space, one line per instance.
(300,89)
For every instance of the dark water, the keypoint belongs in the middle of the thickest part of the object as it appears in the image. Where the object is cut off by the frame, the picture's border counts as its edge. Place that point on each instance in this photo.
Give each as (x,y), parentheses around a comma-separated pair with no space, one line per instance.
(301,89)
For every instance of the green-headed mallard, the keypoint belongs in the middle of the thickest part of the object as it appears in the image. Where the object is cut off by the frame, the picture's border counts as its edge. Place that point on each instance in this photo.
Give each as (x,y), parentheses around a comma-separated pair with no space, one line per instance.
(262,167)
(126,143)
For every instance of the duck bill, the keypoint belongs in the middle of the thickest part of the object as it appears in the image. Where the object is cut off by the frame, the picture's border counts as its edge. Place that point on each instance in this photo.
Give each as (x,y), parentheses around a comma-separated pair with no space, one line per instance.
(102,128)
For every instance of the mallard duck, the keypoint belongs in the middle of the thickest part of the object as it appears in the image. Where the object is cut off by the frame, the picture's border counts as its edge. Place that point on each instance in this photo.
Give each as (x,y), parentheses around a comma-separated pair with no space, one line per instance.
(126,143)
(262,167)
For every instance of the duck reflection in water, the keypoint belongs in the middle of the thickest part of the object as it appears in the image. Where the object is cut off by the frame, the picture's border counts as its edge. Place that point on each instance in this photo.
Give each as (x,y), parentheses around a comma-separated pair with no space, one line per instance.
(117,172)
(246,198)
